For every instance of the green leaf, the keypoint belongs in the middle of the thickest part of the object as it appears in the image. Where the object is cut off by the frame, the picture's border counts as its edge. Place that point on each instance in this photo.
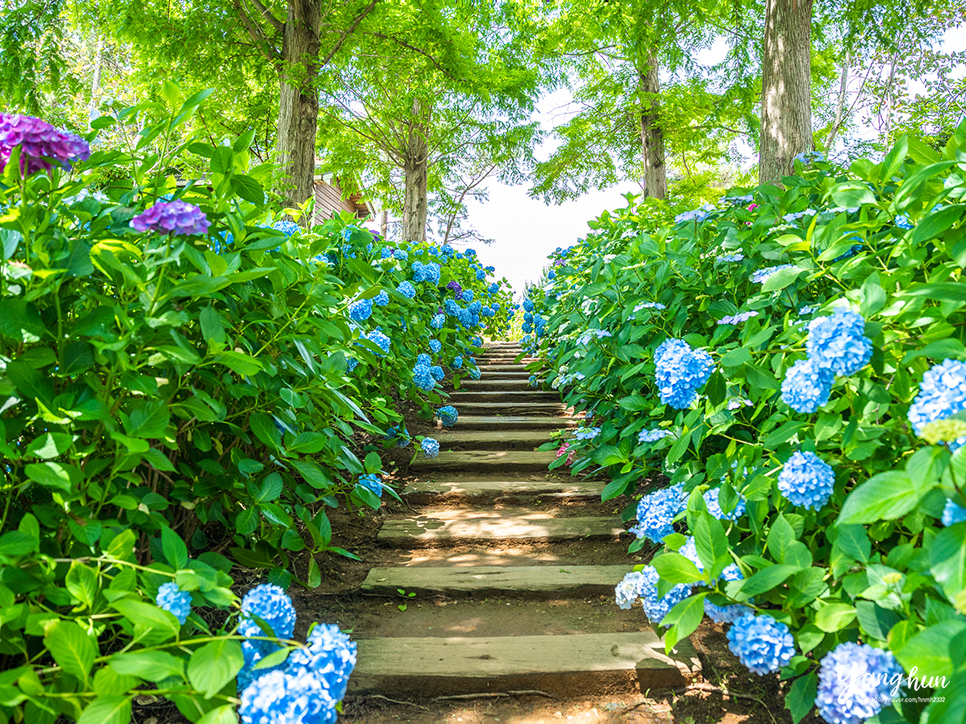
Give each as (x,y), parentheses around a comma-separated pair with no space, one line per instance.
(17,543)
(71,648)
(929,649)
(835,617)
(312,473)
(222,715)
(150,420)
(875,620)
(49,445)
(307,443)
(238,362)
(315,575)
(947,559)
(885,496)
(148,665)
(926,466)
(54,475)
(107,710)
(801,696)
(265,430)
(937,291)
(710,541)
(175,550)
(81,582)
(937,222)
(675,568)
(780,537)
(852,193)
(766,579)
(783,434)
(911,186)
(373,463)
(152,625)
(781,279)
(683,619)
(270,489)
(215,664)
(248,188)
(854,542)
(212,328)
(635,403)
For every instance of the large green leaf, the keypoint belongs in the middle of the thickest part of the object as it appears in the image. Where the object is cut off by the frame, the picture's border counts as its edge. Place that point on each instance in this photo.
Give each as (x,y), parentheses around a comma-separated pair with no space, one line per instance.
(72,648)
(148,665)
(215,664)
(885,496)
(107,710)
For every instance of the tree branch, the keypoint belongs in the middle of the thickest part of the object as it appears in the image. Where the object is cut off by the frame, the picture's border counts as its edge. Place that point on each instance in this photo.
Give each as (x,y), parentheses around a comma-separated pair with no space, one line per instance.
(415,50)
(263,44)
(267,14)
(347,32)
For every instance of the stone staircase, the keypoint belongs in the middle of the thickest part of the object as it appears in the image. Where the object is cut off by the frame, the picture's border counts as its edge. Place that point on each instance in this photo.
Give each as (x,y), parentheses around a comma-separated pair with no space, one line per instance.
(488,458)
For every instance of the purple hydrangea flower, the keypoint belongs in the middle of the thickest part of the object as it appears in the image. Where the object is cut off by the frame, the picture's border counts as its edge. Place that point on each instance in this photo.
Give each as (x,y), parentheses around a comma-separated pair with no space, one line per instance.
(40,144)
(761,643)
(172,217)
(175,601)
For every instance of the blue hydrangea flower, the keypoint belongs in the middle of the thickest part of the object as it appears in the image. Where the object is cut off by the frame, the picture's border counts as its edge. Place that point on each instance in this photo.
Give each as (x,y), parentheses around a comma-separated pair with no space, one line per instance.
(587,433)
(698,215)
(942,393)
(361,310)
(175,601)
(806,310)
(656,512)
(430,447)
(730,258)
(448,415)
(381,299)
(649,305)
(654,607)
(737,318)
(680,372)
(330,657)
(807,386)
(371,482)
(457,362)
(280,697)
(407,290)
(467,295)
(904,222)
(952,514)
(532,381)
(494,288)
(400,254)
(351,363)
(253,652)
(760,275)
(855,683)
(437,321)
(437,373)
(795,216)
(435,346)
(426,272)
(807,480)
(838,342)
(287,227)
(527,305)
(481,275)
(714,507)
(424,359)
(653,435)
(629,589)
(271,604)
(380,340)
(400,434)
(726,614)
(761,643)
(423,377)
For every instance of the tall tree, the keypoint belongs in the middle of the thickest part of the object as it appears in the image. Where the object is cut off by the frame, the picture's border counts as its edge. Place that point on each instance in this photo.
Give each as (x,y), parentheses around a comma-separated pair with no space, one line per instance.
(786,91)
(424,104)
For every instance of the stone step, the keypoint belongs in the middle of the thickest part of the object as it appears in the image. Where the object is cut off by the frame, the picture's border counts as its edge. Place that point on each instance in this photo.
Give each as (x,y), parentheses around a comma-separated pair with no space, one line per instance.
(525,409)
(514,384)
(484,461)
(462,526)
(513,422)
(590,664)
(493,439)
(531,581)
(511,397)
(517,373)
(427,492)
(486,369)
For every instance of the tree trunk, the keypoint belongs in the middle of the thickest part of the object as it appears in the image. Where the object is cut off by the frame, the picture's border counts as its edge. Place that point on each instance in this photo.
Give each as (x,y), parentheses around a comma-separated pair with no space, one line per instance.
(416,170)
(652,136)
(93,110)
(786,100)
(298,114)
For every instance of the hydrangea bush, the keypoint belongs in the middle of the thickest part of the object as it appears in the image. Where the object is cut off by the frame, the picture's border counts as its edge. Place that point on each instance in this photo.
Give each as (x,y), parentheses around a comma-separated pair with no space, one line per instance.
(181,369)
(785,373)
